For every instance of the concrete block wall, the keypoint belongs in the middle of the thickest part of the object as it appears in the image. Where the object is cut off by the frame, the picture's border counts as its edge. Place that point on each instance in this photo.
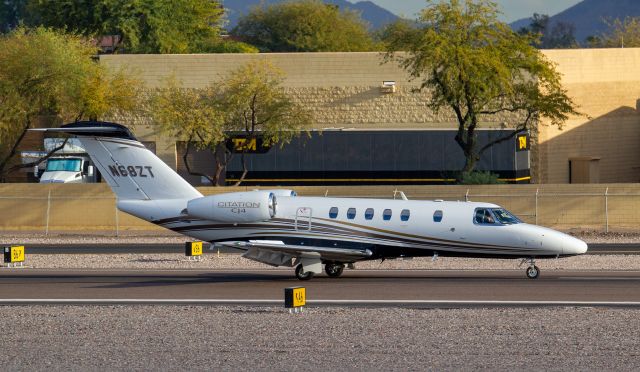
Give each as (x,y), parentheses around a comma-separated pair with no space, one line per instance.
(605,83)
(343,91)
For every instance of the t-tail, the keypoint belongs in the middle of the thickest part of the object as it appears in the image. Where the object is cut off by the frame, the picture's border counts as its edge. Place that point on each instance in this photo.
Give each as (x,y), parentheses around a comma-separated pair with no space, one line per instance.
(144,185)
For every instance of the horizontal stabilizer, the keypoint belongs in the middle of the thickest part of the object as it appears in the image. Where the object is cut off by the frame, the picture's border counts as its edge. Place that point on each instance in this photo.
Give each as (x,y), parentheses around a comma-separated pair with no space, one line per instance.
(92,129)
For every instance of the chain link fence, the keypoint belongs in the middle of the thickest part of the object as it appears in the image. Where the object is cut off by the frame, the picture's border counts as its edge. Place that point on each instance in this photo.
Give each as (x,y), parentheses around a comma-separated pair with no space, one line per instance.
(91,209)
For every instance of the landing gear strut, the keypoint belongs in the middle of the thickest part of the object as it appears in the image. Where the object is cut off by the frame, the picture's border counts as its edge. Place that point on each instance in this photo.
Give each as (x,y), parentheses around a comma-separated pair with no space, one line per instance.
(302,275)
(533,272)
(334,270)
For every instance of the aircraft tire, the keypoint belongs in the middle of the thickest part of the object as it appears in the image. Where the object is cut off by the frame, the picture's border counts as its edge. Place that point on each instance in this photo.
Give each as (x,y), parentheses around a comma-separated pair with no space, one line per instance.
(302,275)
(533,272)
(334,270)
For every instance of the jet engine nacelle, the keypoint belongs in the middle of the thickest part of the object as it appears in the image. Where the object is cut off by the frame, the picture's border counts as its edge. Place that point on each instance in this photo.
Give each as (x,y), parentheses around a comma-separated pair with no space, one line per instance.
(234,207)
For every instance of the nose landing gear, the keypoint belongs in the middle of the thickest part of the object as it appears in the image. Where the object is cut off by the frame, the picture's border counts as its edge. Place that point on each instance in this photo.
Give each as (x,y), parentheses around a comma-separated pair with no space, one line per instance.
(533,272)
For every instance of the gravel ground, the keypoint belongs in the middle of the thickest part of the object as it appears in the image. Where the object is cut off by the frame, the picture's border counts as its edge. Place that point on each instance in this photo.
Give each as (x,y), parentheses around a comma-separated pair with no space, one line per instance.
(232,261)
(88,338)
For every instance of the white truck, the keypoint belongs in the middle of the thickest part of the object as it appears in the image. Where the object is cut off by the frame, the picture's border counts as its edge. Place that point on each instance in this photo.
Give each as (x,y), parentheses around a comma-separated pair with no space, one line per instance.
(71,164)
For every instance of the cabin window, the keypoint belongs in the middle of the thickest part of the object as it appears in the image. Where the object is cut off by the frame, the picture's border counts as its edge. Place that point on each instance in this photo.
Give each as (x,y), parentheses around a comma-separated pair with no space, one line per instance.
(437,216)
(386,215)
(351,213)
(333,212)
(404,215)
(368,214)
(484,217)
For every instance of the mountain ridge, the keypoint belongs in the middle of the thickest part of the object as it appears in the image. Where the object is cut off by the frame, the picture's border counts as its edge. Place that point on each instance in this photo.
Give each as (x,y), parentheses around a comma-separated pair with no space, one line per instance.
(588,16)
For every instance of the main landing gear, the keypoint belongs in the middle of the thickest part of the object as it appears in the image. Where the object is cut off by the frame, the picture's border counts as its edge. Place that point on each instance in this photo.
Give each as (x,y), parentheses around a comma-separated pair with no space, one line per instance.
(303,275)
(533,272)
(333,270)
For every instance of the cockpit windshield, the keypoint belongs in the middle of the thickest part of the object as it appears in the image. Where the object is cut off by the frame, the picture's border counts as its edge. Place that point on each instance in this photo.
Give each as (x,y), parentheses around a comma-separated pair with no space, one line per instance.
(493,216)
(505,217)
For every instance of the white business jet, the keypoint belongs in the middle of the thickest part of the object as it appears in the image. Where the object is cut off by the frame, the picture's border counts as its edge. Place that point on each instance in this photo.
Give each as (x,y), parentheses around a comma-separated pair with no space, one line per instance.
(278,228)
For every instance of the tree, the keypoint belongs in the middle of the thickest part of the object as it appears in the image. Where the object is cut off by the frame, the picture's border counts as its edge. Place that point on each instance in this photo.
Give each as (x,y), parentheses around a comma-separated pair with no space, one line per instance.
(44,73)
(194,115)
(251,102)
(11,13)
(256,105)
(551,35)
(621,34)
(304,26)
(144,26)
(476,66)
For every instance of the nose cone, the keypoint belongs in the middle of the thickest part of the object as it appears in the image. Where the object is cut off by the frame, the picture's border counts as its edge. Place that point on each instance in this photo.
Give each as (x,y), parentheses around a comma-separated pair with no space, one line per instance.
(573,246)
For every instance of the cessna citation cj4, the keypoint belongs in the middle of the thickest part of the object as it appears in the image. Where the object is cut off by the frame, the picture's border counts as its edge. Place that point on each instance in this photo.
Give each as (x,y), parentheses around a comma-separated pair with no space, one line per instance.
(278,228)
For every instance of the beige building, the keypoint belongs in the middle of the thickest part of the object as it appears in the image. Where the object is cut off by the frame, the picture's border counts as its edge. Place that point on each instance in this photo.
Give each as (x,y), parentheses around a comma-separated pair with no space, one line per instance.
(344,90)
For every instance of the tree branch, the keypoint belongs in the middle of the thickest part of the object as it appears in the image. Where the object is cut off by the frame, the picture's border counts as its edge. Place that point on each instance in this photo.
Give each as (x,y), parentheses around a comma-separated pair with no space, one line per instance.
(36,162)
(186,164)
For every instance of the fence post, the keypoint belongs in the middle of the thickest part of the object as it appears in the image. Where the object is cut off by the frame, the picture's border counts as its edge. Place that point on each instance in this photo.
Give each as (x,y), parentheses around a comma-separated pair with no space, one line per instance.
(46,231)
(466,196)
(117,219)
(536,211)
(606,210)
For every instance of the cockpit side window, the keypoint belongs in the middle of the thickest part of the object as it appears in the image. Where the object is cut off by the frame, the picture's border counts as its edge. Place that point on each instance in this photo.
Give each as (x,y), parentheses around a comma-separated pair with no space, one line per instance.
(483,216)
(437,216)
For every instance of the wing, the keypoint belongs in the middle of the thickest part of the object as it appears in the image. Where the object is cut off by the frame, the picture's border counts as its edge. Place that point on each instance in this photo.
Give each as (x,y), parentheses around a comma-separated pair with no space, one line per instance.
(277,253)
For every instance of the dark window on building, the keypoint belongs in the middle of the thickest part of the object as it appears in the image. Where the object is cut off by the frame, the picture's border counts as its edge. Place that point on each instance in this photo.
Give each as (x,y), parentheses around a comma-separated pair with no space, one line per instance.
(404,215)
(386,215)
(368,214)
(351,213)
(333,212)
(437,216)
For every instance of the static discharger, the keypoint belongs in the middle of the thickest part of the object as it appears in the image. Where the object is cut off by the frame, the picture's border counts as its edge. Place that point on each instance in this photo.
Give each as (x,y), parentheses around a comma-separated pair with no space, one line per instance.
(14,255)
(193,250)
(295,298)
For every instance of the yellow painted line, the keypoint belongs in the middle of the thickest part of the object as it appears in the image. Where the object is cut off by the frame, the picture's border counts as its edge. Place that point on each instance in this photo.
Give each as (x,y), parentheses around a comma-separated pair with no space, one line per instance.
(515,179)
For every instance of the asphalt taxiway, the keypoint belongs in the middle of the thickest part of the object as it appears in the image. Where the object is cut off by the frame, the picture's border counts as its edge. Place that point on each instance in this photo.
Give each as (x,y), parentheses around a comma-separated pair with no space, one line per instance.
(403,288)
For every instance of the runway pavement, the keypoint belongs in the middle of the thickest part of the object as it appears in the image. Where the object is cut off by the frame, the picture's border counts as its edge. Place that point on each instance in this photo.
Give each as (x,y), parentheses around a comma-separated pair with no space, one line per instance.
(179,248)
(404,288)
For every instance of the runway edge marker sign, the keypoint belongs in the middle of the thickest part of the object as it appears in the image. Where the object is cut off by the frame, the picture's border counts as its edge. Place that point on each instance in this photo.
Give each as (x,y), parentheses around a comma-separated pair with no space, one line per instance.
(14,255)
(295,298)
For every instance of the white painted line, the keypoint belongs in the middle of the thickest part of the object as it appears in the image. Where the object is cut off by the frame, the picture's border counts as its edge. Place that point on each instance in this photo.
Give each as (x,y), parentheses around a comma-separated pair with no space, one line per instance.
(7,301)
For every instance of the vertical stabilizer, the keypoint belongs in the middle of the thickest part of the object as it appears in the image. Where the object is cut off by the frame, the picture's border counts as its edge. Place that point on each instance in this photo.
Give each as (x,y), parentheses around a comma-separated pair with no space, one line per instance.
(131,170)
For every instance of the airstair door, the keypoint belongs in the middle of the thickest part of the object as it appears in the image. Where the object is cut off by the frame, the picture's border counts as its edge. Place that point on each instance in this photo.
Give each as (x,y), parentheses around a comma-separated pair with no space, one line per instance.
(303,218)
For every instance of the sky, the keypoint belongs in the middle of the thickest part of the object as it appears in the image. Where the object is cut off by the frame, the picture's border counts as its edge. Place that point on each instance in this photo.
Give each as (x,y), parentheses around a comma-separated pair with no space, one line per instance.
(512,9)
